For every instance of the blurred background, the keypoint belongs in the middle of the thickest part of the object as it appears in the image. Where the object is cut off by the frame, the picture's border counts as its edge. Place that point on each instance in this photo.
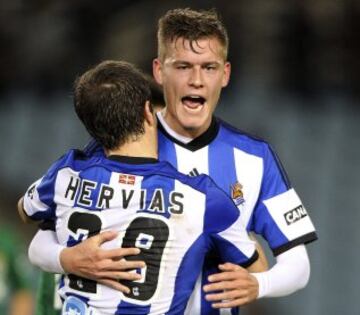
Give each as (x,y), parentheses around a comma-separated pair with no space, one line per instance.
(295,82)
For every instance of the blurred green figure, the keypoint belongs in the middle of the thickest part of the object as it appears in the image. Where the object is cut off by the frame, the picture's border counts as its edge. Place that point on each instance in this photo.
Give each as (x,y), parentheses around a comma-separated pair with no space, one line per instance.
(15,276)
(48,301)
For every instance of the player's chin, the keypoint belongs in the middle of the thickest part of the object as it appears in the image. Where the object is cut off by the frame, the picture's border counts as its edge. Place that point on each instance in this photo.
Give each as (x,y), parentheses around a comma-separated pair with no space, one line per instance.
(193,126)
(194,122)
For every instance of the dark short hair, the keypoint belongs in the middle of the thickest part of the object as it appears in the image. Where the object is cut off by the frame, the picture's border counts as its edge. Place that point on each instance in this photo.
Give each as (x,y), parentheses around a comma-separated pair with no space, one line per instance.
(190,25)
(157,93)
(110,100)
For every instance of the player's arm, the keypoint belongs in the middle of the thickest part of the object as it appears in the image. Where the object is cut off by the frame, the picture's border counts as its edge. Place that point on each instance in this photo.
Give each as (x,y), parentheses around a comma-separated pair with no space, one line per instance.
(261,264)
(282,220)
(290,274)
(234,281)
(21,211)
(240,286)
(86,259)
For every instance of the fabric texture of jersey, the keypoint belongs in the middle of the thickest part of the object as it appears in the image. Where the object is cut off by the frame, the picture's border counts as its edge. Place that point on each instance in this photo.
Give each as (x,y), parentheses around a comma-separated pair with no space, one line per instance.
(174,219)
(249,171)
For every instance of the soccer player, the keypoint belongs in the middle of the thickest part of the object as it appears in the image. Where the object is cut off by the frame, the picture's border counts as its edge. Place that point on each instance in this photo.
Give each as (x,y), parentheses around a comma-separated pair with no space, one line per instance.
(172,218)
(48,301)
(192,67)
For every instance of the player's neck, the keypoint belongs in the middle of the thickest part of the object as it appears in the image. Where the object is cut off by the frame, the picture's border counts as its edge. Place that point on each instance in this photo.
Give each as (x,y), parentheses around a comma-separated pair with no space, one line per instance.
(140,147)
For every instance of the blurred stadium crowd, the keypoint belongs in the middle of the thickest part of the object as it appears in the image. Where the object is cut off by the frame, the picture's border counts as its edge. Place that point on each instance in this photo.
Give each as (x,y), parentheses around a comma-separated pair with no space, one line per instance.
(300,46)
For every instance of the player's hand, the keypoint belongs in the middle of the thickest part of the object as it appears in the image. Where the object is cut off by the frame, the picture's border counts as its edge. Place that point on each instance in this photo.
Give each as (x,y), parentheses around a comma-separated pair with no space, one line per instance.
(236,285)
(106,266)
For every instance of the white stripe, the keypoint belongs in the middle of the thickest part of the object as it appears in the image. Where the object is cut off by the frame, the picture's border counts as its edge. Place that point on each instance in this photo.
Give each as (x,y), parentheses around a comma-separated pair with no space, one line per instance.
(33,204)
(187,160)
(237,235)
(194,303)
(185,229)
(225,311)
(249,172)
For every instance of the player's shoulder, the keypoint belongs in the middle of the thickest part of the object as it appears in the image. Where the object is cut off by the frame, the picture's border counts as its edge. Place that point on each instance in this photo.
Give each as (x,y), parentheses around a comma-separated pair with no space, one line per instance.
(202,183)
(72,158)
(241,139)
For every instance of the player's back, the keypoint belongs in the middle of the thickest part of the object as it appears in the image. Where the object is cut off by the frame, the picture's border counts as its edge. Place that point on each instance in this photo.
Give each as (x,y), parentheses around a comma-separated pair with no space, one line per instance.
(170,217)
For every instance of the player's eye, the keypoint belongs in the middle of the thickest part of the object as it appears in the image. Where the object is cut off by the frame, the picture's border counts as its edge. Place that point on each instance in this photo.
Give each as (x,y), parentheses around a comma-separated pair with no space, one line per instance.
(182,67)
(210,67)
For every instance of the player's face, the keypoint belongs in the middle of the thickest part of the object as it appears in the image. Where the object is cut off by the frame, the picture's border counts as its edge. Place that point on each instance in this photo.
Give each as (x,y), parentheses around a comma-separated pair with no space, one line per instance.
(192,82)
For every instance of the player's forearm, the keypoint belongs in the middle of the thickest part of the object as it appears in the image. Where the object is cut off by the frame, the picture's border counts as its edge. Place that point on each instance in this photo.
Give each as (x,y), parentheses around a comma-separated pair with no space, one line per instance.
(290,273)
(44,251)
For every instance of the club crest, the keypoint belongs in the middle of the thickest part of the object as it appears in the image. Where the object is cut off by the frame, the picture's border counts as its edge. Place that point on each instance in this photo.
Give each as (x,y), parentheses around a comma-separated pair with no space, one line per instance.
(237,193)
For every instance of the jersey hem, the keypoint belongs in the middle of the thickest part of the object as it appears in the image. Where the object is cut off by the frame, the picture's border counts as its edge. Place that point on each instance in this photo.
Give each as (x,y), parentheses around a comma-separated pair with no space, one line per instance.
(305,239)
(47,225)
(251,260)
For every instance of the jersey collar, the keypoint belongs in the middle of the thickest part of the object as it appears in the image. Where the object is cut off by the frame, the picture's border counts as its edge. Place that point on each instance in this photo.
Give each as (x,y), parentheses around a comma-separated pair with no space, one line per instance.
(197,143)
(133,159)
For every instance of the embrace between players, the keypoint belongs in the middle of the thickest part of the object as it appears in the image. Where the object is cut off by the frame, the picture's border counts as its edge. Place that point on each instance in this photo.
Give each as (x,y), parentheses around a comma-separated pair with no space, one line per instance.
(131,232)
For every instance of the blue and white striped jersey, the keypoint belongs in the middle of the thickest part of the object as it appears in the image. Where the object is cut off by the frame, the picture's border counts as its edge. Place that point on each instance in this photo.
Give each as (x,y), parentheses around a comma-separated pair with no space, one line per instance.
(174,219)
(249,171)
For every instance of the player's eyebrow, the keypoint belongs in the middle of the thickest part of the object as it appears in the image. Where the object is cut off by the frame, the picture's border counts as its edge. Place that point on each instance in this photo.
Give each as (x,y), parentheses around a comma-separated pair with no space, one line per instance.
(211,63)
(182,63)
(204,64)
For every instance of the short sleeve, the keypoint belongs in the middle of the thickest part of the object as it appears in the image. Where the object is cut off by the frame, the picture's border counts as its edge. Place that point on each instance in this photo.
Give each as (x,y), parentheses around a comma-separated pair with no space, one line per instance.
(279,216)
(39,201)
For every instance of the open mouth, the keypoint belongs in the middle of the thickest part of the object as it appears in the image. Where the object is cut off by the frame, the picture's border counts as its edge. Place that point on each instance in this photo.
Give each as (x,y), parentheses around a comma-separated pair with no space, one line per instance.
(193,101)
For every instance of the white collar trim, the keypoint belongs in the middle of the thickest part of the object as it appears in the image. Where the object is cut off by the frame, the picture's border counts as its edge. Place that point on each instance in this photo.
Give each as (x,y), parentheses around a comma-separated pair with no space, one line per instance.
(171,132)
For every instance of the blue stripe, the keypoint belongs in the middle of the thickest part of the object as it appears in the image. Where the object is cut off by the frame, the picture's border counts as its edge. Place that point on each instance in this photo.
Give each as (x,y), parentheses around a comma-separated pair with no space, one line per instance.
(187,274)
(166,150)
(222,163)
(229,252)
(150,184)
(132,309)
(209,268)
(281,168)
(46,189)
(267,227)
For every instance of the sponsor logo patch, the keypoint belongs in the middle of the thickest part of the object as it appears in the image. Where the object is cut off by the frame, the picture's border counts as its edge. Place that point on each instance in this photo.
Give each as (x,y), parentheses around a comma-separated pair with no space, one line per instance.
(74,306)
(295,215)
(127,179)
(237,194)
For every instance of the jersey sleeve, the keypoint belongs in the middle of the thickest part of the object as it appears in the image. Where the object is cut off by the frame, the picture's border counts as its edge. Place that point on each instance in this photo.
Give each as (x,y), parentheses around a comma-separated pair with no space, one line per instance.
(39,201)
(93,148)
(227,234)
(279,215)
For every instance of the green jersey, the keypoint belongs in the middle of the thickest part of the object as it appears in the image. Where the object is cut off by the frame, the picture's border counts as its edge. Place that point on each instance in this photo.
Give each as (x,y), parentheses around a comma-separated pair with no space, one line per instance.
(48,301)
(15,270)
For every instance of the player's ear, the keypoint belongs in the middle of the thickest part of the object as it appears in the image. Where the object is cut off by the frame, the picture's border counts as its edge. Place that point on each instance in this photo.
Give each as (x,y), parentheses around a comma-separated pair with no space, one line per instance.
(157,70)
(227,72)
(149,114)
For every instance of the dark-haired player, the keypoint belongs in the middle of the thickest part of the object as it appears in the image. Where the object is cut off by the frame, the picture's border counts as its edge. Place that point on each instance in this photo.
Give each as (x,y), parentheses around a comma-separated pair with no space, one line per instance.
(174,219)
(192,68)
